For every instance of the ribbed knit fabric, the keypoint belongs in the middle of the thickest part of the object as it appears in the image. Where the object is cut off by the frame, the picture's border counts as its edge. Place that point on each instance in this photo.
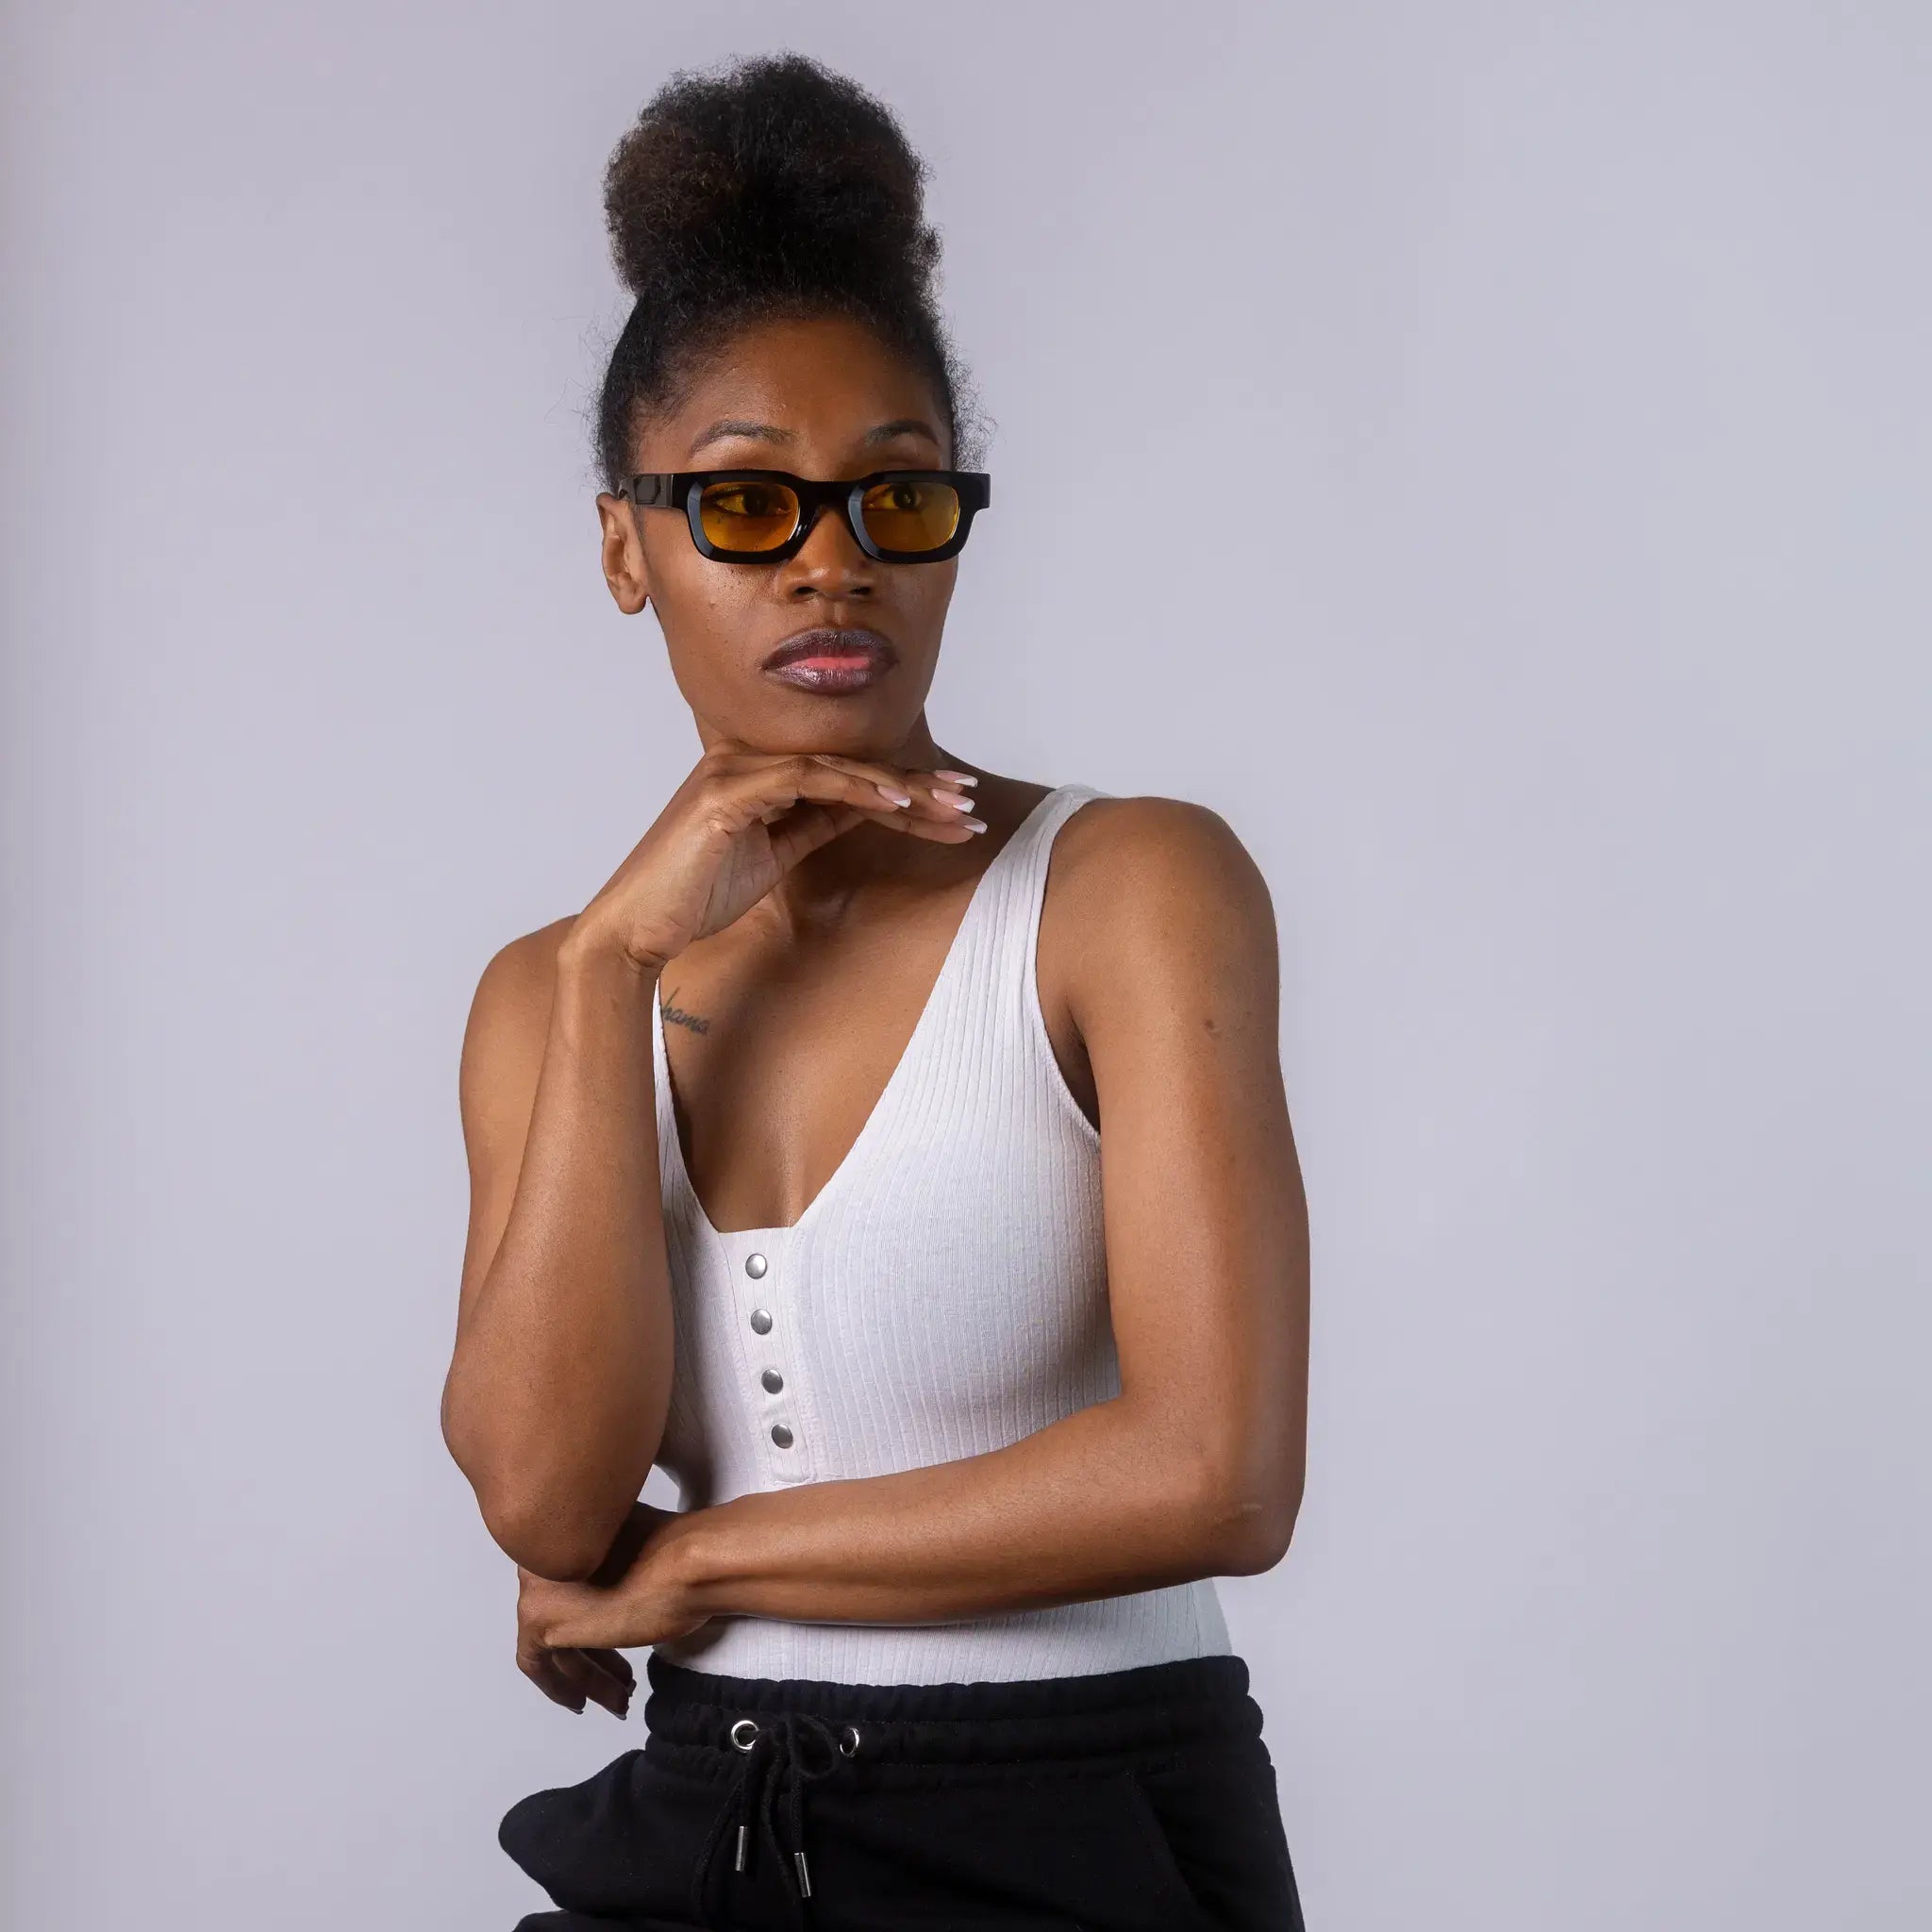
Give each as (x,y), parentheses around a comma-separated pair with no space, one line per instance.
(944,1294)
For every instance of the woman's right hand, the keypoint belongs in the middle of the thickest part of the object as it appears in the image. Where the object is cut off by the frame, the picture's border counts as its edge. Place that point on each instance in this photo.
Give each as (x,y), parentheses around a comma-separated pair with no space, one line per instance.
(738,824)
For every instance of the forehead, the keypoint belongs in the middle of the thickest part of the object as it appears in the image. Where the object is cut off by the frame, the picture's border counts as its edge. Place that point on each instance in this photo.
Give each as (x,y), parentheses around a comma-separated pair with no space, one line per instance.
(824,387)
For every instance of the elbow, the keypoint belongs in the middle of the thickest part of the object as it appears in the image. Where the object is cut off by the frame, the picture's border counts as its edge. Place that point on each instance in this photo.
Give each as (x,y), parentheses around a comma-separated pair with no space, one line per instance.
(558,1544)
(550,1538)
(1249,1525)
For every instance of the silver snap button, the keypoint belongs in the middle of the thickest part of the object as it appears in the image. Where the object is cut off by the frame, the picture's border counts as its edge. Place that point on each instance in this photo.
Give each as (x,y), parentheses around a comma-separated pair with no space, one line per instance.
(772,1380)
(762,1320)
(781,1435)
(755,1266)
(749,1726)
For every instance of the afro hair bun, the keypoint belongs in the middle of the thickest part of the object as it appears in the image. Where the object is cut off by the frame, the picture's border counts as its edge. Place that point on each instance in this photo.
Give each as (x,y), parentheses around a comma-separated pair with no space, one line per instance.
(776,172)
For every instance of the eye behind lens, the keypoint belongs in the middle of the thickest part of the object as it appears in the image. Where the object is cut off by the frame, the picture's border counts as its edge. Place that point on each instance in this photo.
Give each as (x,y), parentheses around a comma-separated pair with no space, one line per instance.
(748,515)
(908,515)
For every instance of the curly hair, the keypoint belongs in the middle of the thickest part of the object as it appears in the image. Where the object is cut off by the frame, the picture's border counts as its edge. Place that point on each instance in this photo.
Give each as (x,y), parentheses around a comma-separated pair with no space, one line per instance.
(766,188)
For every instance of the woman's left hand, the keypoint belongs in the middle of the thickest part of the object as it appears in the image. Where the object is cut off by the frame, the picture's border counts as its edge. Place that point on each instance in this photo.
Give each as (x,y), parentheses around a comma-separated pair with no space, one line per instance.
(571,1635)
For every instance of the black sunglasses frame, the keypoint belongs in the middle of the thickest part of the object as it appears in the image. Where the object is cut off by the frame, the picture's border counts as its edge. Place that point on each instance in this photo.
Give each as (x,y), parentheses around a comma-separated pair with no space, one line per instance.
(684,490)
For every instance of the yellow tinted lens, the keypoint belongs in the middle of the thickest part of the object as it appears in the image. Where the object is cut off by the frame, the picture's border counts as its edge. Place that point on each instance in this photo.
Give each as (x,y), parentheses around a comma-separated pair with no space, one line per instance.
(748,515)
(910,515)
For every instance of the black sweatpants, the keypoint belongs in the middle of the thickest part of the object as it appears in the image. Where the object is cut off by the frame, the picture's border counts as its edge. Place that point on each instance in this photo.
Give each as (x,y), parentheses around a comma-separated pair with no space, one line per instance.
(1127,1801)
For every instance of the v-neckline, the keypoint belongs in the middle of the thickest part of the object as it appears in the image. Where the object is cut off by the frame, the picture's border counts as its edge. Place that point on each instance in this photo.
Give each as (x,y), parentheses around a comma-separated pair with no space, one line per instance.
(920,1026)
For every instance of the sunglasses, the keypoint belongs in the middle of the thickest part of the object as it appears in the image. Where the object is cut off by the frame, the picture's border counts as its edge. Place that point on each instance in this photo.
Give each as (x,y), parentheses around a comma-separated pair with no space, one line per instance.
(765,516)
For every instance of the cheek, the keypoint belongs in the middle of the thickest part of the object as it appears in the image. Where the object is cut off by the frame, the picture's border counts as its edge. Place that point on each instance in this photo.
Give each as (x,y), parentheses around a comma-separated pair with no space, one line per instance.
(707,614)
(705,664)
(928,590)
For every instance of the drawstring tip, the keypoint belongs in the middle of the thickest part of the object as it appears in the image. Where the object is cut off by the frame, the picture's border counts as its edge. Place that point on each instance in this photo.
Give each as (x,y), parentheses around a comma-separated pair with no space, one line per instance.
(743,1832)
(804,1877)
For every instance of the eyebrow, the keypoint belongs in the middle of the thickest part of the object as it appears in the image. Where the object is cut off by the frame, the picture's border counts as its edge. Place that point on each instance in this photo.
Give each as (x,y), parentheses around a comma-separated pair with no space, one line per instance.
(769,432)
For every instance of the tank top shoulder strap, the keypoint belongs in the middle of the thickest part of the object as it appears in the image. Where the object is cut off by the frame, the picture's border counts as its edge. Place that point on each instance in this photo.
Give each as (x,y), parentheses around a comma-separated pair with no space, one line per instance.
(1013,923)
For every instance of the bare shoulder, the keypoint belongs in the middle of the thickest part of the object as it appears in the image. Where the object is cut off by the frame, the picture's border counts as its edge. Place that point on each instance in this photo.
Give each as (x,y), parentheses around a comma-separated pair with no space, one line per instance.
(503,1042)
(1143,873)
(519,979)
(1158,940)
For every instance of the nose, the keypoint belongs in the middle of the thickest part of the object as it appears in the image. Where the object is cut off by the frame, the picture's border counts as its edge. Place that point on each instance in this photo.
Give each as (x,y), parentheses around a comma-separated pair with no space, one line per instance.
(829,562)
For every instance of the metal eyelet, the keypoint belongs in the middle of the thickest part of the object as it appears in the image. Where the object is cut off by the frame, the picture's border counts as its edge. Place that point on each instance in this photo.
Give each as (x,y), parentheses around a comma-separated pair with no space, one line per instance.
(743,1723)
(851,1732)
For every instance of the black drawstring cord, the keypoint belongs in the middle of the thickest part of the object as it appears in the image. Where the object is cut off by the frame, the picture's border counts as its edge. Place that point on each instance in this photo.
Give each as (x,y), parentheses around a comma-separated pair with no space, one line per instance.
(755,1789)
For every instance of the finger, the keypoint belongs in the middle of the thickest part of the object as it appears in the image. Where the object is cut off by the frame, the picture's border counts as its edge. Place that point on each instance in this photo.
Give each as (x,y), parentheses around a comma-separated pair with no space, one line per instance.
(807,826)
(623,1680)
(798,829)
(541,1666)
(803,826)
(927,793)
(775,784)
(617,1664)
(592,1680)
(771,792)
(922,795)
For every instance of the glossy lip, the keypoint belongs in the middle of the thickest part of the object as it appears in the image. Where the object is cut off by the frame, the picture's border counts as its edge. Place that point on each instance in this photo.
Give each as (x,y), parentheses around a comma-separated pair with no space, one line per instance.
(832,657)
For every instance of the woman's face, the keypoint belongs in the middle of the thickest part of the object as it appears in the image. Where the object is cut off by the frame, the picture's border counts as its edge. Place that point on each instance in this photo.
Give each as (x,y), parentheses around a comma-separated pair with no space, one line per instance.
(823,398)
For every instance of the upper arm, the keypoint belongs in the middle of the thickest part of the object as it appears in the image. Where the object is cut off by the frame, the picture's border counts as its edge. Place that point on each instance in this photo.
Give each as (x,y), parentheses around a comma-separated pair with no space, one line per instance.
(502,1057)
(1174,987)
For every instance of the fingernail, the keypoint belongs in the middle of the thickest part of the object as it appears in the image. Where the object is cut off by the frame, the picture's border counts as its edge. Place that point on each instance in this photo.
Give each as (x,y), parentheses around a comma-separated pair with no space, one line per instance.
(977,824)
(897,797)
(957,798)
(957,777)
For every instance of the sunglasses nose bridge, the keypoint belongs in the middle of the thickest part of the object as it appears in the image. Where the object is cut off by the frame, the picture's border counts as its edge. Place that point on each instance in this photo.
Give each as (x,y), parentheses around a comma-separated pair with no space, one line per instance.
(834,503)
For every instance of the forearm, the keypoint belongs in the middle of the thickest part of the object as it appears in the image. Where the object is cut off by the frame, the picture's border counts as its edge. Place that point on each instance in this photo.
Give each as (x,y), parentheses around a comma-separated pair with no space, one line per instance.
(561,1380)
(1096,1504)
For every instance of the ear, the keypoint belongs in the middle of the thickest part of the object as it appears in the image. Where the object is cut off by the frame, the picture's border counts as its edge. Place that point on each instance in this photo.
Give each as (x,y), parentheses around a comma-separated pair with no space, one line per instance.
(624,554)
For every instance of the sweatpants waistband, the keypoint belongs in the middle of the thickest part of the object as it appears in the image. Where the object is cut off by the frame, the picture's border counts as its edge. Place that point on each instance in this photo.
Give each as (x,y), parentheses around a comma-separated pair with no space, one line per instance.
(1152,1707)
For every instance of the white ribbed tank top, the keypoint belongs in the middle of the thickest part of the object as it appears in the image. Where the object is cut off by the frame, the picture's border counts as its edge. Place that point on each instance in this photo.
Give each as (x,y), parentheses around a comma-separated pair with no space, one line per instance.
(944,1294)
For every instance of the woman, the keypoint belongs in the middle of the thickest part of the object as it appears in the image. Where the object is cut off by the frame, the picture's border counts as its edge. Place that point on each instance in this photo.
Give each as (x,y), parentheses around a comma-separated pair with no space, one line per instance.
(788,1174)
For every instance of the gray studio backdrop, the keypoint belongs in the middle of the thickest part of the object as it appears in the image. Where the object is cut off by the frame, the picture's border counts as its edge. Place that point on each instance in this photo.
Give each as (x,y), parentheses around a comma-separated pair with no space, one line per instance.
(1480,450)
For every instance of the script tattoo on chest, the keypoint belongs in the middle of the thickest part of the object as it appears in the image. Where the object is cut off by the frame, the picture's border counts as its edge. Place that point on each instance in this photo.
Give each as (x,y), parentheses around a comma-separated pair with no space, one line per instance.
(676,1015)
